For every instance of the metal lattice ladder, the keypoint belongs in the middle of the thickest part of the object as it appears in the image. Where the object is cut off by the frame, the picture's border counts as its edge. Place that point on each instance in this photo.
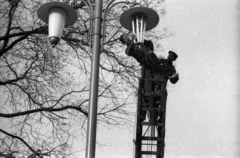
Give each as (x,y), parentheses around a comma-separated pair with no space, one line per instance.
(150,133)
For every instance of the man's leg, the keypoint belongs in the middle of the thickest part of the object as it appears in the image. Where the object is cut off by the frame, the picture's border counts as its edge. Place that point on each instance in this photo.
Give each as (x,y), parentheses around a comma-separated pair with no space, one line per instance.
(157,87)
(148,84)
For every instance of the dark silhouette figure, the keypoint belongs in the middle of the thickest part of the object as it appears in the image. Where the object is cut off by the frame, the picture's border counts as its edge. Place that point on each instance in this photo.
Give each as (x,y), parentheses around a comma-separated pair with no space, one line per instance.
(143,53)
(154,68)
(164,70)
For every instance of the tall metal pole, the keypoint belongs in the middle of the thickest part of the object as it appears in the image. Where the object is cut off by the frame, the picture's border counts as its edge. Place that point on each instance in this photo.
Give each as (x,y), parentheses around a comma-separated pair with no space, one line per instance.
(92,110)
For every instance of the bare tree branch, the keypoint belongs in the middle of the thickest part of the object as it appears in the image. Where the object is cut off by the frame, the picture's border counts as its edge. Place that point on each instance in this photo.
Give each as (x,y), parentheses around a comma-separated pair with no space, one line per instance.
(50,109)
(16,137)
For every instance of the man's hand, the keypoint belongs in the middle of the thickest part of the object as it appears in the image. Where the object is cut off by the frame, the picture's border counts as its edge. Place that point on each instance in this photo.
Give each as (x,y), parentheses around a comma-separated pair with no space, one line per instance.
(133,37)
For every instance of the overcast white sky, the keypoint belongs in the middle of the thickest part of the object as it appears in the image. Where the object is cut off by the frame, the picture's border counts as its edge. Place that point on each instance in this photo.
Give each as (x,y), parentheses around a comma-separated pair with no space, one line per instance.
(203,109)
(203,113)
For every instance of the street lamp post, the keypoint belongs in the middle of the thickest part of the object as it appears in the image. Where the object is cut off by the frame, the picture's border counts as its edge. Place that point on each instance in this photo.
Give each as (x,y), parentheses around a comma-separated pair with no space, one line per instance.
(59,15)
(92,110)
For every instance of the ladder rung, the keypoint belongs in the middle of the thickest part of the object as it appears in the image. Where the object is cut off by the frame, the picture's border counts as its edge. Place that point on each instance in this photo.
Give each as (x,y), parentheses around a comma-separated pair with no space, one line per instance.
(149,144)
(149,152)
(150,138)
(152,94)
(152,123)
(160,145)
(151,109)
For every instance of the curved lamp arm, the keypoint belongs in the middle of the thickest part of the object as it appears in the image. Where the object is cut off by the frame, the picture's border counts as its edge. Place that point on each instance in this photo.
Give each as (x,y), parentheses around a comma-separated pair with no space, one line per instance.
(108,8)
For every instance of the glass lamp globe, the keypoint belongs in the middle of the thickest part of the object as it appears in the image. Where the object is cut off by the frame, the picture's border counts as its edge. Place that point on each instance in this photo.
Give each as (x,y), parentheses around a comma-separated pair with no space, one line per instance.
(57,15)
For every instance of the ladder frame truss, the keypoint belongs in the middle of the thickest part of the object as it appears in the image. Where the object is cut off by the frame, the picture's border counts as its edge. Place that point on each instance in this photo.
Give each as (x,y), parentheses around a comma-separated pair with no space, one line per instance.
(150,134)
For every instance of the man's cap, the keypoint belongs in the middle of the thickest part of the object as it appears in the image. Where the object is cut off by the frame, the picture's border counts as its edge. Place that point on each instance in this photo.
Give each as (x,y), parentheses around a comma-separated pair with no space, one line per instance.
(173,53)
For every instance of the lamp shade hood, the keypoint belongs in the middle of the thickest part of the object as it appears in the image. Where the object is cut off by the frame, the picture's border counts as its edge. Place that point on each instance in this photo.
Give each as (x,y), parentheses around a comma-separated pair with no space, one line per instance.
(151,16)
(43,12)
